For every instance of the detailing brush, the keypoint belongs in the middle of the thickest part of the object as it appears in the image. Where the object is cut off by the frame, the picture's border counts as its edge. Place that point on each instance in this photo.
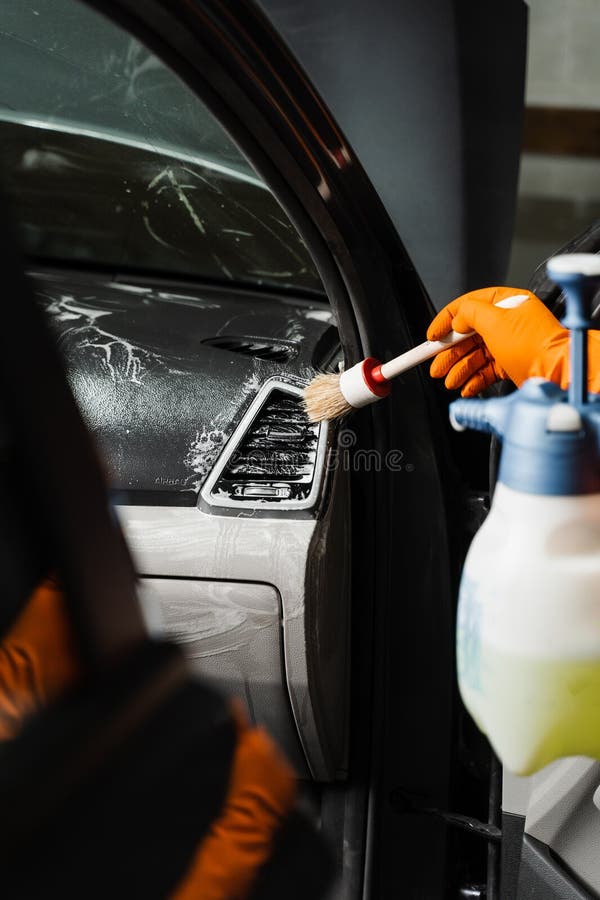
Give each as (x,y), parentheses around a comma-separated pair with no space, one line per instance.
(329,396)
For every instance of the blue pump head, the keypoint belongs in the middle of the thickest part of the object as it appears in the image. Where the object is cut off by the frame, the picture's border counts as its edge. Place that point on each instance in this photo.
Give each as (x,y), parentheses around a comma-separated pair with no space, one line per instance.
(551,437)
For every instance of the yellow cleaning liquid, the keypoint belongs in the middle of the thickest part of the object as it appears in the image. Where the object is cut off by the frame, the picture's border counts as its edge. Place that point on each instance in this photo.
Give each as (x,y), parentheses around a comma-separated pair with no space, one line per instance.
(541,709)
(528,636)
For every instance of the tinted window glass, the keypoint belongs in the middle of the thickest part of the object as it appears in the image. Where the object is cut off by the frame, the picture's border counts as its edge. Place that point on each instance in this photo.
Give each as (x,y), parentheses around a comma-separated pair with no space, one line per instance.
(112,161)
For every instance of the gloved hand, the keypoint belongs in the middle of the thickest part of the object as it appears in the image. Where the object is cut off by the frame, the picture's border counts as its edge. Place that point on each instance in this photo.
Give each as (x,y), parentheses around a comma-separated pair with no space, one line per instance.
(38,658)
(262,791)
(510,343)
(38,661)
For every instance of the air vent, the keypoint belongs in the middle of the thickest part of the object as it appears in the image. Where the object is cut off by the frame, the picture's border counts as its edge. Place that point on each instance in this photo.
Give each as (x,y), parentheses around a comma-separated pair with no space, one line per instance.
(274,459)
(259,348)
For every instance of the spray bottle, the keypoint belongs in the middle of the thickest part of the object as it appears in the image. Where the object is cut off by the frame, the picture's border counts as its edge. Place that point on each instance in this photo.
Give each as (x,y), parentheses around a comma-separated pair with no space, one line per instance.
(528,632)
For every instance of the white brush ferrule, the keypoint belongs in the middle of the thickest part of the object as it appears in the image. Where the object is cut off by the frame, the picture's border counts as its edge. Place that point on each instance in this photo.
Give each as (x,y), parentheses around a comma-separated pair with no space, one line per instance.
(359,387)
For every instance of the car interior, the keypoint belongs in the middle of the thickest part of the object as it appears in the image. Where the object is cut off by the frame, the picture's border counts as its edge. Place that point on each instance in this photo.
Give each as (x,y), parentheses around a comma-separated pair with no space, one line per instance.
(189,315)
(192,294)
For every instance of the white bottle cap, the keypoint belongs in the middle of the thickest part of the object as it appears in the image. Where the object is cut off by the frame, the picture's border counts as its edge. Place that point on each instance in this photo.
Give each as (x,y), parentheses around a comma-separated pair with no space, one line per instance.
(563,417)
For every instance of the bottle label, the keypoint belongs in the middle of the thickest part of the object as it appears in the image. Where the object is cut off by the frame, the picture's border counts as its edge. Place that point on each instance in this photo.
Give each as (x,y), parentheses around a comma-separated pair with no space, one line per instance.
(470,615)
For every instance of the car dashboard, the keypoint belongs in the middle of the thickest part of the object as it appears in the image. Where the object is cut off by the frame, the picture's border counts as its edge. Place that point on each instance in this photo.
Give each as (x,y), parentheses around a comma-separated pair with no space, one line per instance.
(234,509)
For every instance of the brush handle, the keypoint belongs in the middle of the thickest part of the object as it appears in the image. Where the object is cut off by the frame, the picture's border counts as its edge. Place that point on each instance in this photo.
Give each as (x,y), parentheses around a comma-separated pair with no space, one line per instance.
(429,349)
(421,353)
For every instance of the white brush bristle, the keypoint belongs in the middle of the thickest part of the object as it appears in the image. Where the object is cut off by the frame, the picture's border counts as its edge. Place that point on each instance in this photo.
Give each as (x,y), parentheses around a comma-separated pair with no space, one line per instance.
(323,399)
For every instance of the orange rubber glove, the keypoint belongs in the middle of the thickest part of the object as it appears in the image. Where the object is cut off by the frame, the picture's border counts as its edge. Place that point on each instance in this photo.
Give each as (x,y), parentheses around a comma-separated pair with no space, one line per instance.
(510,343)
(517,343)
(262,790)
(37,658)
(38,661)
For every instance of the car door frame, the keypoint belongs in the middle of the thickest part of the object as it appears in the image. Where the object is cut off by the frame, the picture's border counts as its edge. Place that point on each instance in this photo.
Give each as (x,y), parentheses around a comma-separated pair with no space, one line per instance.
(403,597)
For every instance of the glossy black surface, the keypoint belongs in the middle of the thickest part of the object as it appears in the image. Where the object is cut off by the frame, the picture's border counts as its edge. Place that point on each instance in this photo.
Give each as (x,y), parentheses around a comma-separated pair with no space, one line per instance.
(588,241)
(96,201)
(109,158)
(160,400)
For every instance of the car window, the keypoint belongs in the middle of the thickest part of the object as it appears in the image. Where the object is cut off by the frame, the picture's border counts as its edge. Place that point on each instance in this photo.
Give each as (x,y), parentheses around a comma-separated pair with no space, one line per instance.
(111,161)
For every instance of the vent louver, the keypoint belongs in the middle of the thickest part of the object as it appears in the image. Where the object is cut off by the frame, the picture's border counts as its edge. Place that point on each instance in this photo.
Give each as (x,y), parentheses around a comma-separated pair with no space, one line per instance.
(259,348)
(274,459)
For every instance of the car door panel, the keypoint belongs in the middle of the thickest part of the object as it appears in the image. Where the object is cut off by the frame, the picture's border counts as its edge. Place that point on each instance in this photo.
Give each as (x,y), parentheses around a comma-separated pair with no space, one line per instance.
(560,825)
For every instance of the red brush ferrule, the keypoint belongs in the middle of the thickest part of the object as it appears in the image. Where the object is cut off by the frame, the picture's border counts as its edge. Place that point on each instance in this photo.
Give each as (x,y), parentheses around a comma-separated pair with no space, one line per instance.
(373,377)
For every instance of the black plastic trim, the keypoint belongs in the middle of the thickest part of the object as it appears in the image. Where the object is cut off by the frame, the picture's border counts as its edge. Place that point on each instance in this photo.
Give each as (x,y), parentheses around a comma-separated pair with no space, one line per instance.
(153,498)
(513,827)
(542,877)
